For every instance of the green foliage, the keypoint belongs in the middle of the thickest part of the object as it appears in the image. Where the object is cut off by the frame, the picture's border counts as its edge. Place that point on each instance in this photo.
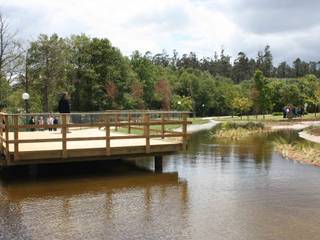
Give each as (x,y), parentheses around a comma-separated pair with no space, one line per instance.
(98,77)
(181,103)
(241,104)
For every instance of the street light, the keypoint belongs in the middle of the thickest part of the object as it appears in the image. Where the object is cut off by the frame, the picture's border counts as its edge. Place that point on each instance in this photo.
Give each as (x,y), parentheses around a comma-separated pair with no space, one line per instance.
(25,97)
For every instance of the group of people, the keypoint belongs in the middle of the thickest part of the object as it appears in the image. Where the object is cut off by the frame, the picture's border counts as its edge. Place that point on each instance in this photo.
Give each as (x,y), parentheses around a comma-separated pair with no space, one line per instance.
(291,111)
(51,121)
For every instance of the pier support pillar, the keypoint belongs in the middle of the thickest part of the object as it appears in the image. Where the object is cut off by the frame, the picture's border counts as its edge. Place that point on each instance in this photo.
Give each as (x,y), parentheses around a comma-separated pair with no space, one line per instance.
(158,163)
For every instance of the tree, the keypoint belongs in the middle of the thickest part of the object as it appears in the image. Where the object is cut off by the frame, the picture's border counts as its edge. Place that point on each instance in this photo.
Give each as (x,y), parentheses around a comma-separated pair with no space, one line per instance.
(264,61)
(261,93)
(241,105)
(145,72)
(163,93)
(47,68)
(11,59)
(241,68)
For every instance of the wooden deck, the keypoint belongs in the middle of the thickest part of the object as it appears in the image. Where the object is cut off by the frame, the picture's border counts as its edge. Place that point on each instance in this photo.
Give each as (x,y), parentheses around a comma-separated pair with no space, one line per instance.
(98,139)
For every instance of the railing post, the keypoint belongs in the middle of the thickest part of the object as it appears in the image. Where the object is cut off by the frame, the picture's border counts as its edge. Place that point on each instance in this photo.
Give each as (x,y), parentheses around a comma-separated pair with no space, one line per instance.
(116,123)
(147,131)
(108,149)
(6,122)
(1,132)
(184,131)
(16,136)
(162,125)
(129,123)
(64,135)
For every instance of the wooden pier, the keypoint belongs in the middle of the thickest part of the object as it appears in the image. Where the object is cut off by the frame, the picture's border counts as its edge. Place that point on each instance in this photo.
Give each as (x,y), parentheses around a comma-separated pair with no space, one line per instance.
(91,136)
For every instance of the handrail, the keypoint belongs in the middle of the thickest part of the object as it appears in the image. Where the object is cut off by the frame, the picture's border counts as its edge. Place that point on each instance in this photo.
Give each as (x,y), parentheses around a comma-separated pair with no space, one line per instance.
(107,112)
(131,120)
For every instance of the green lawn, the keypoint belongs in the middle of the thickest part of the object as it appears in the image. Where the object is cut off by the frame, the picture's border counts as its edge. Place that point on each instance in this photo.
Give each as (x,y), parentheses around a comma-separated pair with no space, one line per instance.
(268,118)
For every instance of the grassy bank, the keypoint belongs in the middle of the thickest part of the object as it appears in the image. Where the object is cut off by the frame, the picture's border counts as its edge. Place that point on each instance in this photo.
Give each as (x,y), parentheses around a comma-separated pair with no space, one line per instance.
(266,118)
(236,131)
(304,152)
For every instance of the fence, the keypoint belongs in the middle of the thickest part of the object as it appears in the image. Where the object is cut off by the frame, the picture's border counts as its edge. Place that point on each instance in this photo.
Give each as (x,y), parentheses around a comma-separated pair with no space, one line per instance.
(133,125)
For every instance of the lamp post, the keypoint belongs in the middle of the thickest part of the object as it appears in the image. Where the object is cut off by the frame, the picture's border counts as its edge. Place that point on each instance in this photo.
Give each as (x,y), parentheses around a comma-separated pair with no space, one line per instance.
(25,97)
(202,109)
(179,105)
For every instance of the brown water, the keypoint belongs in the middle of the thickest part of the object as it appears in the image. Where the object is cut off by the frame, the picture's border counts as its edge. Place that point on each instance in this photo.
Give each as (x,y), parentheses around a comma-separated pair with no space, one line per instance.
(214,191)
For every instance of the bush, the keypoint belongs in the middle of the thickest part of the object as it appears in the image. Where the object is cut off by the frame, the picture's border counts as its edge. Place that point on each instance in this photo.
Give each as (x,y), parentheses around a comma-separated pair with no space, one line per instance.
(247,125)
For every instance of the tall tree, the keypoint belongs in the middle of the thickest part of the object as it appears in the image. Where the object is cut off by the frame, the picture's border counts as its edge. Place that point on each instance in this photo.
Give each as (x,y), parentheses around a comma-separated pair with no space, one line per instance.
(264,61)
(48,65)
(262,98)
(241,68)
(11,58)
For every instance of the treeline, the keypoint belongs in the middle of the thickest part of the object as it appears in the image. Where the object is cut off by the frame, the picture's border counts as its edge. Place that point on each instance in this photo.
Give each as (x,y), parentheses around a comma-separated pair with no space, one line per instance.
(99,77)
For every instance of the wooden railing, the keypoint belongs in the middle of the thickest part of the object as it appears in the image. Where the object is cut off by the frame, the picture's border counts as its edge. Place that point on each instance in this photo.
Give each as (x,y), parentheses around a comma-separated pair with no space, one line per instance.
(141,124)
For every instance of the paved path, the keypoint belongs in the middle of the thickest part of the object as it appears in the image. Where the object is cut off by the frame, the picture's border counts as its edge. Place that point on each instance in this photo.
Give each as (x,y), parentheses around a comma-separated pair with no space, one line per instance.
(199,127)
(297,126)
(309,137)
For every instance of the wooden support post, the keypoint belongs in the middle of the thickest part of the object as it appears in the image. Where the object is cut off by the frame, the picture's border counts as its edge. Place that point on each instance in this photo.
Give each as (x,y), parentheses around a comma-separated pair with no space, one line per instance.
(108,145)
(6,122)
(129,123)
(1,133)
(184,131)
(147,131)
(16,136)
(64,136)
(158,163)
(117,120)
(162,125)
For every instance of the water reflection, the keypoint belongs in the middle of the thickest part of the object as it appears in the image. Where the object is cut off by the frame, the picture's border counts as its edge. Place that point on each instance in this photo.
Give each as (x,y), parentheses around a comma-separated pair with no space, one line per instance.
(101,206)
(215,190)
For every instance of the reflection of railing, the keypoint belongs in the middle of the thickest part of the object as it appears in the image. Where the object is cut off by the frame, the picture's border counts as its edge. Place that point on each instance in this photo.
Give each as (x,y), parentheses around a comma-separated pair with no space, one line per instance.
(142,124)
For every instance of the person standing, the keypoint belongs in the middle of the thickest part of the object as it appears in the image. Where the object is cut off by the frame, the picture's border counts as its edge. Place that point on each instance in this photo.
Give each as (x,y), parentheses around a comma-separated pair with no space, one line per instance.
(50,122)
(32,122)
(41,123)
(64,107)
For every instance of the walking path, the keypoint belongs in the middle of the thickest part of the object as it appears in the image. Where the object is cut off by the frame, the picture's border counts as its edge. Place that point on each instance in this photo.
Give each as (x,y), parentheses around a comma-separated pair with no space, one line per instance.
(309,137)
(199,127)
(297,126)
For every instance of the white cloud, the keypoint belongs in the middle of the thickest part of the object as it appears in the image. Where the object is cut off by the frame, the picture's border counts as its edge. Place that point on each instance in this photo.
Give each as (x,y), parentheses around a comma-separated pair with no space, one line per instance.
(201,26)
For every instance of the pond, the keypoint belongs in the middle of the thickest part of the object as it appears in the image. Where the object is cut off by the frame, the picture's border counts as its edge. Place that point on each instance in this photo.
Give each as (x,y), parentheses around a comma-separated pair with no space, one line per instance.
(216,190)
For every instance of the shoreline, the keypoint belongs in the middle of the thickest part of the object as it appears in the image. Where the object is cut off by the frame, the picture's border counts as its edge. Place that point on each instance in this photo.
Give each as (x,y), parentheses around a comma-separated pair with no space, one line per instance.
(289,152)
(193,128)
(309,137)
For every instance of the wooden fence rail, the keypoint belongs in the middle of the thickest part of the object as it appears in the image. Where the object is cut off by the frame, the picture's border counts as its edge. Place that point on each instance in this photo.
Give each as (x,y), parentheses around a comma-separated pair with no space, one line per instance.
(133,124)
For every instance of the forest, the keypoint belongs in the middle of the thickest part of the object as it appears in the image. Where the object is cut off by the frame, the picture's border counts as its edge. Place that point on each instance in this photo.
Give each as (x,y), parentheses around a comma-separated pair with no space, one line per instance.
(99,77)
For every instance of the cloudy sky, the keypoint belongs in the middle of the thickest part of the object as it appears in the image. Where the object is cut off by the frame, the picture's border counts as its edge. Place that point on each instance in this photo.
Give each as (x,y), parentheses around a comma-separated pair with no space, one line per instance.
(290,27)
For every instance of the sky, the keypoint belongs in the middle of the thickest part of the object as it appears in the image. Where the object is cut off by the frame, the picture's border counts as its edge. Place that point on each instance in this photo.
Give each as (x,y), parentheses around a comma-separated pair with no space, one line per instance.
(290,27)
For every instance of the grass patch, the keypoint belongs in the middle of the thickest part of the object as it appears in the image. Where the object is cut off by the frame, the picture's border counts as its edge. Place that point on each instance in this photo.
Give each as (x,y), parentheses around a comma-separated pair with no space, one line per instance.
(267,118)
(303,151)
(237,131)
